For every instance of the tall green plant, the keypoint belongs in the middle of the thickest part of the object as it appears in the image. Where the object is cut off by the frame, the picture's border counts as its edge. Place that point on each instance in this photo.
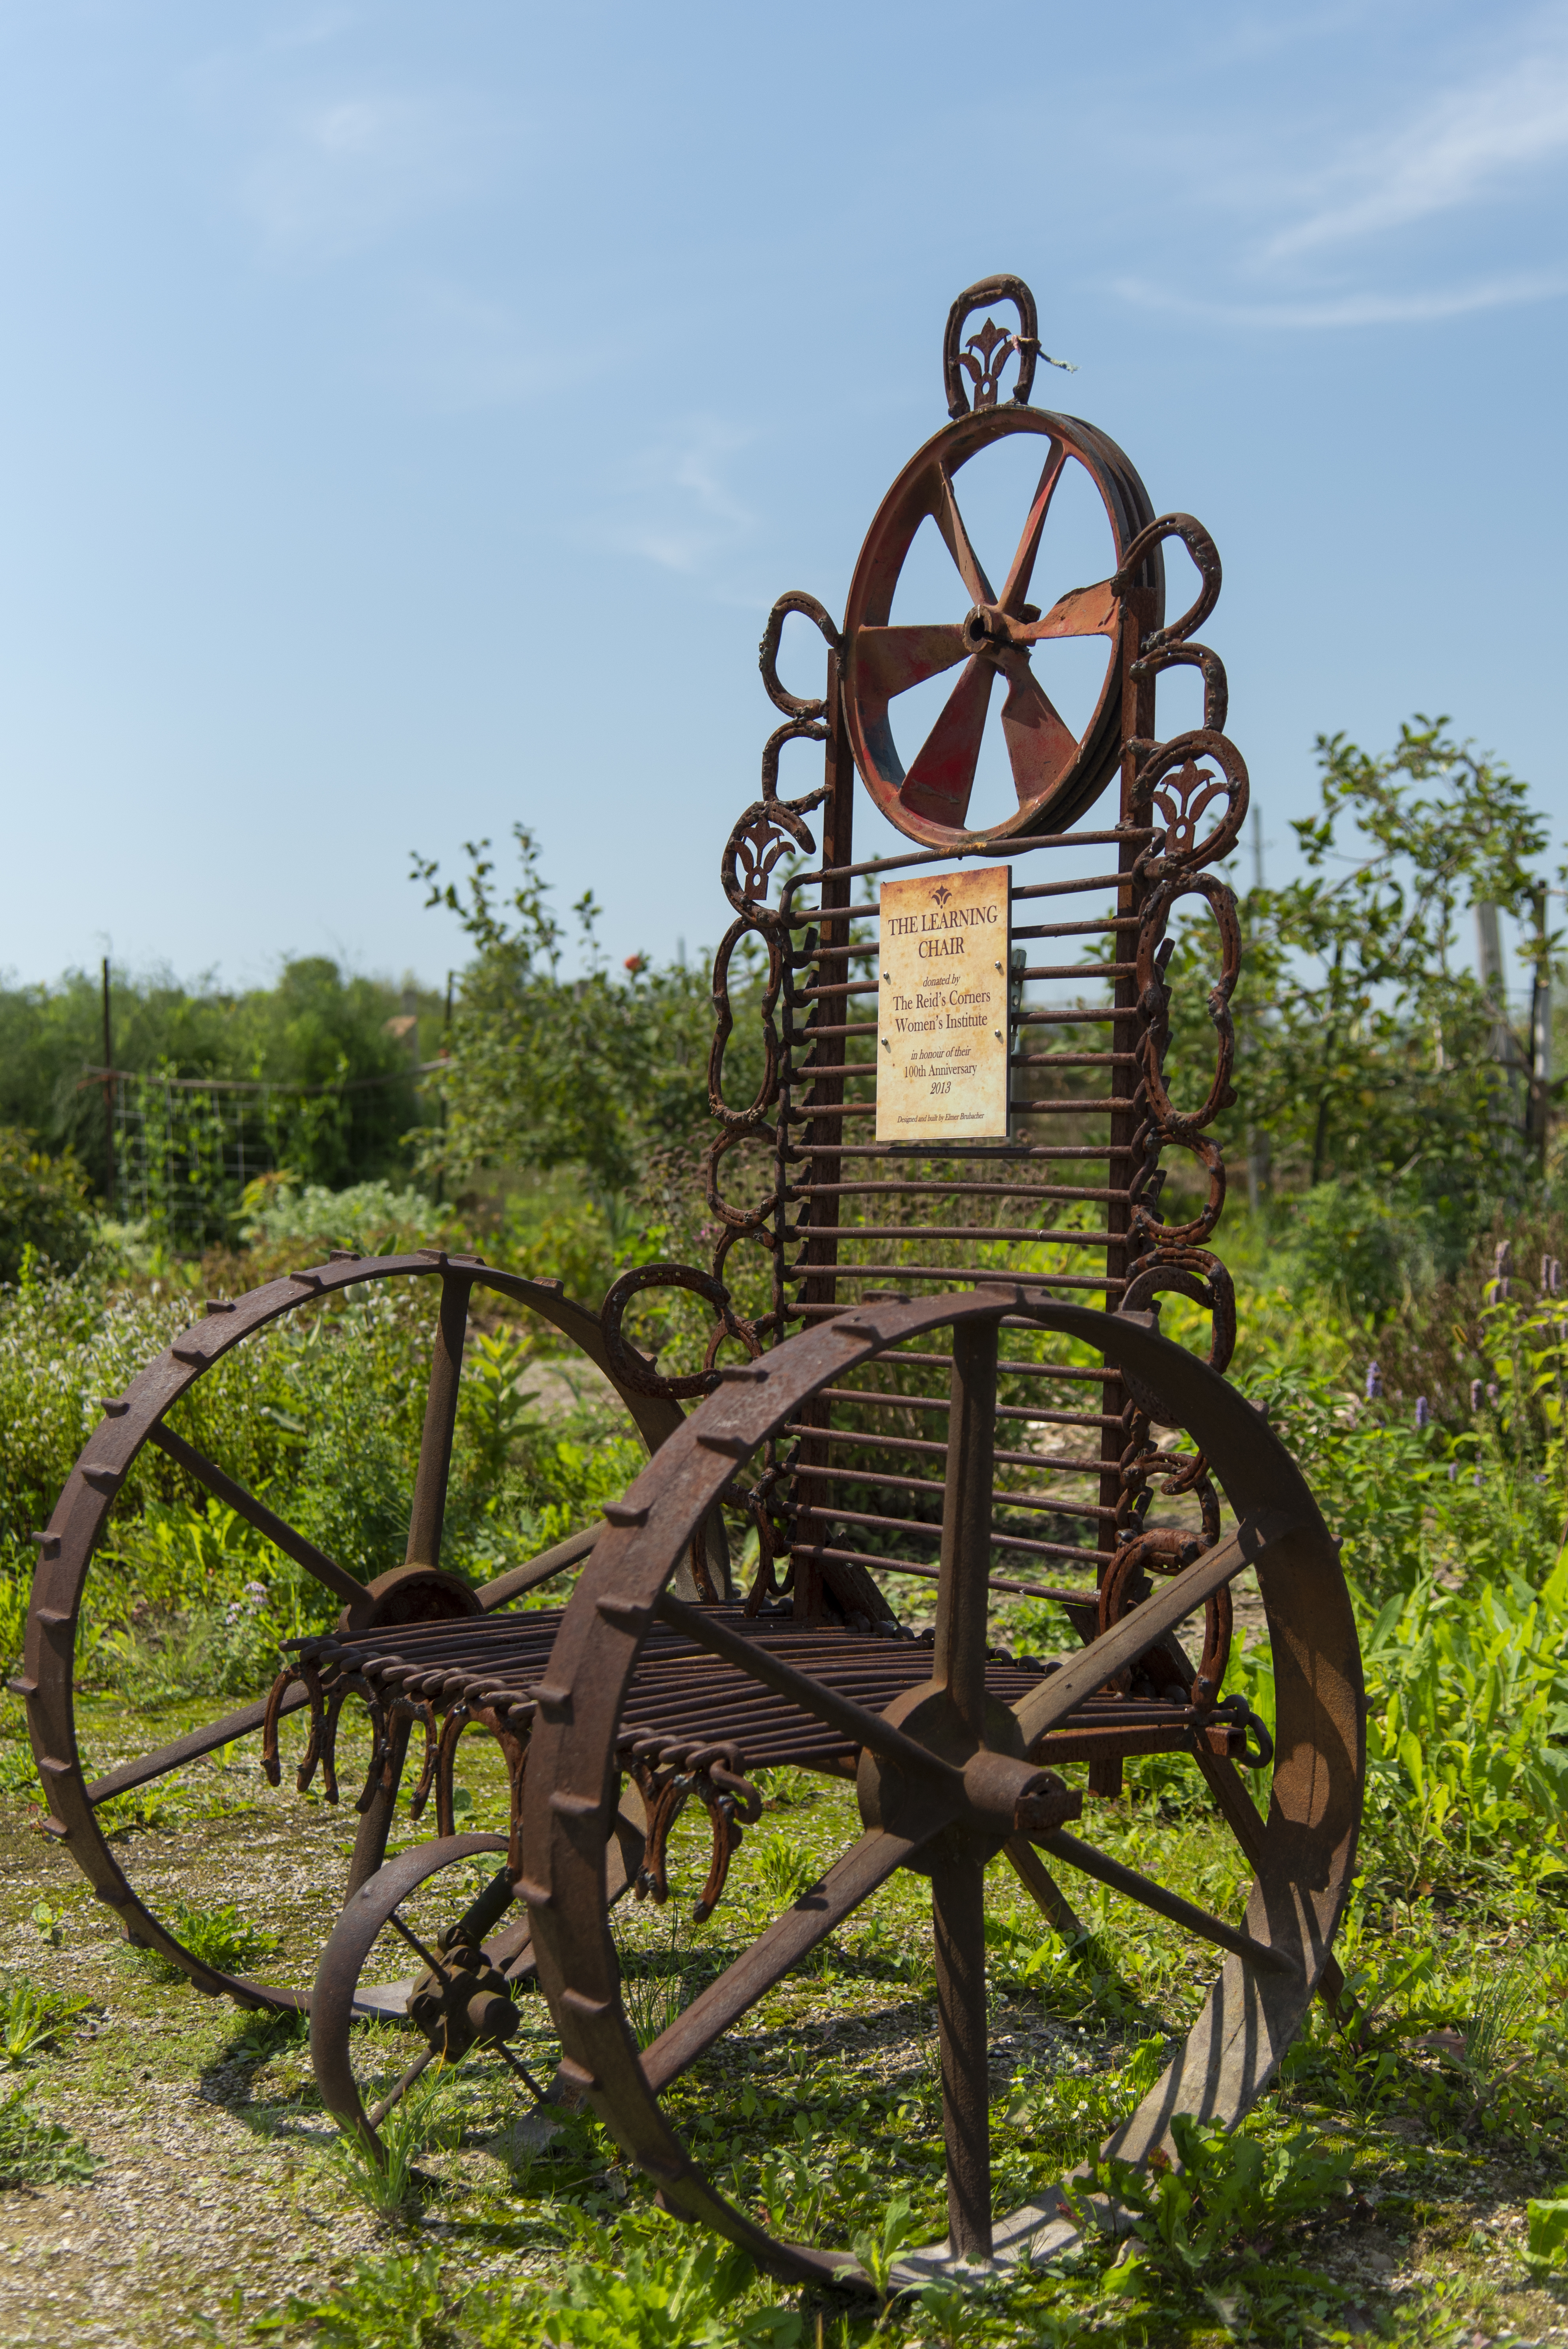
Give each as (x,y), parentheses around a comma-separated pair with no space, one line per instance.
(1367,1046)
(594,1071)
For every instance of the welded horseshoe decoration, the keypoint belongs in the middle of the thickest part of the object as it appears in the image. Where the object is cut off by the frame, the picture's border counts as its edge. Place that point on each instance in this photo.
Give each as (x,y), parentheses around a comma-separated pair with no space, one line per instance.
(933,1370)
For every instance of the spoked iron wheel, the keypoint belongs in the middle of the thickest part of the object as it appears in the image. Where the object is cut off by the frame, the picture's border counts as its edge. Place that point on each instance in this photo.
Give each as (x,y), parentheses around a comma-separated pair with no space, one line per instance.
(417,1591)
(424,1944)
(1056,773)
(949,1777)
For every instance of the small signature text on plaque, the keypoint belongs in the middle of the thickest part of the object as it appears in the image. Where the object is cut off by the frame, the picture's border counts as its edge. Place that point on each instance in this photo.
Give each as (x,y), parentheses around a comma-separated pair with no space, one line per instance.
(941,1008)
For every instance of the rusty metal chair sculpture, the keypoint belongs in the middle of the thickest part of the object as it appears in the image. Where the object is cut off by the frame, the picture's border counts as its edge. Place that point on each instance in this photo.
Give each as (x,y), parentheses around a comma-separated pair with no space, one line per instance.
(885,1432)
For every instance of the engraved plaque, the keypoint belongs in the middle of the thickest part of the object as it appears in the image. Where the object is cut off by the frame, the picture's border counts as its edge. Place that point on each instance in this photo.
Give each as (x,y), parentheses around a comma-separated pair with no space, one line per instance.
(941,1008)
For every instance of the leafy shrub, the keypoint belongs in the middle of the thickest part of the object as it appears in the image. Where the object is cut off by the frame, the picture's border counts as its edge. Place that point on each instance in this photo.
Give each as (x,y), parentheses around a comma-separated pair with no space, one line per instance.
(1368,1250)
(367,1215)
(43,1206)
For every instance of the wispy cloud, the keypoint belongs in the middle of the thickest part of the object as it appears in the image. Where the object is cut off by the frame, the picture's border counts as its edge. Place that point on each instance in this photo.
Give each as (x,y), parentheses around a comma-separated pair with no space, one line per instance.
(679,511)
(337,173)
(1364,309)
(1371,232)
(1462,146)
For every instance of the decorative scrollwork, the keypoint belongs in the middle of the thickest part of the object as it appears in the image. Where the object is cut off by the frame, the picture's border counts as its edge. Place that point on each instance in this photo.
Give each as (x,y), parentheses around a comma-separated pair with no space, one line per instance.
(794,705)
(1205,556)
(983,372)
(763,836)
(1154,1002)
(633,1370)
(1216,691)
(746,1119)
(1175,781)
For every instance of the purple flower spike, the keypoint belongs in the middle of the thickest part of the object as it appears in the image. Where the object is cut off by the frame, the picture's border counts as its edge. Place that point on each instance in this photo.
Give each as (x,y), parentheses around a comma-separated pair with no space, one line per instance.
(1422,1414)
(1374,1382)
(1453,1471)
(1493,1391)
(1475,1394)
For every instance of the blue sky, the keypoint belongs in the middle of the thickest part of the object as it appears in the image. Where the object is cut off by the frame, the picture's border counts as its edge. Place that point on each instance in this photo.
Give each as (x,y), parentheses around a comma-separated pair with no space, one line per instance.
(409,413)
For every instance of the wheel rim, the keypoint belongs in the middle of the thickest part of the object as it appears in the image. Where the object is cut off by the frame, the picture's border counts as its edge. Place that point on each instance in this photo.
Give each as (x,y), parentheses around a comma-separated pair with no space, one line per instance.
(1055,775)
(77,1525)
(1303,1852)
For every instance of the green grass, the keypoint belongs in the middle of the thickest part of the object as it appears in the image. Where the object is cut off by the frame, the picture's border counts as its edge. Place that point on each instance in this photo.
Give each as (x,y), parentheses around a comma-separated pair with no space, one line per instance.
(35,2152)
(1432,2131)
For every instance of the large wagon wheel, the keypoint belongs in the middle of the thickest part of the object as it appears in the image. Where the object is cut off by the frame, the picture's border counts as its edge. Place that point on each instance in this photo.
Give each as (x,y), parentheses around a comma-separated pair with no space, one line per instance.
(1056,774)
(417,1589)
(947,1777)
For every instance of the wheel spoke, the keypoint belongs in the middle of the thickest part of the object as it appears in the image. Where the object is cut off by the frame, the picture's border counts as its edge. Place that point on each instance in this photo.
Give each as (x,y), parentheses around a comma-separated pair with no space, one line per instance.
(790,1938)
(890,660)
(190,1748)
(1149,1621)
(1236,1807)
(962,1594)
(543,1569)
(256,1513)
(1170,1905)
(950,522)
(440,1419)
(958,1919)
(943,776)
(415,1943)
(1043,1889)
(1041,746)
(520,2068)
(395,2095)
(1085,612)
(1022,572)
(812,1696)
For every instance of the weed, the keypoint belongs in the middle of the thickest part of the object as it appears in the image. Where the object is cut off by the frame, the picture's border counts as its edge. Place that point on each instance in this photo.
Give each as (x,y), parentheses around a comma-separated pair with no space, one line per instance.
(397,2303)
(639,2290)
(785,1869)
(1548,2235)
(390,2183)
(655,1983)
(32,2019)
(266,2035)
(38,2153)
(877,2248)
(785,1787)
(220,1938)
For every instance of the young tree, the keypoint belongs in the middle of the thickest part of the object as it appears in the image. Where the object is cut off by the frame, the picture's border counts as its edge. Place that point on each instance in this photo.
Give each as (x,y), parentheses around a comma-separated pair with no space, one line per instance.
(597,1072)
(1367,1046)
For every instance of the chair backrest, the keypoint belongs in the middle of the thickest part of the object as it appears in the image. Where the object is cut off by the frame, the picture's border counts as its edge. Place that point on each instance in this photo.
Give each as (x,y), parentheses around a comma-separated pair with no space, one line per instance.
(1112,828)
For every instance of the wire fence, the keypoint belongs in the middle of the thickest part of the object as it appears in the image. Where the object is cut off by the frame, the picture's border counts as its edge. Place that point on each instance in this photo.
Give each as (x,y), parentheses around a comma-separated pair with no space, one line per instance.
(185,1148)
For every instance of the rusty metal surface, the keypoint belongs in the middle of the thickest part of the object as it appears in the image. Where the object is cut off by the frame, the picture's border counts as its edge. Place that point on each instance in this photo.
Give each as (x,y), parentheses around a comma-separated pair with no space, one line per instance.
(974,1439)
(851,1497)
(1307,1844)
(66,1548)
(962,1468)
